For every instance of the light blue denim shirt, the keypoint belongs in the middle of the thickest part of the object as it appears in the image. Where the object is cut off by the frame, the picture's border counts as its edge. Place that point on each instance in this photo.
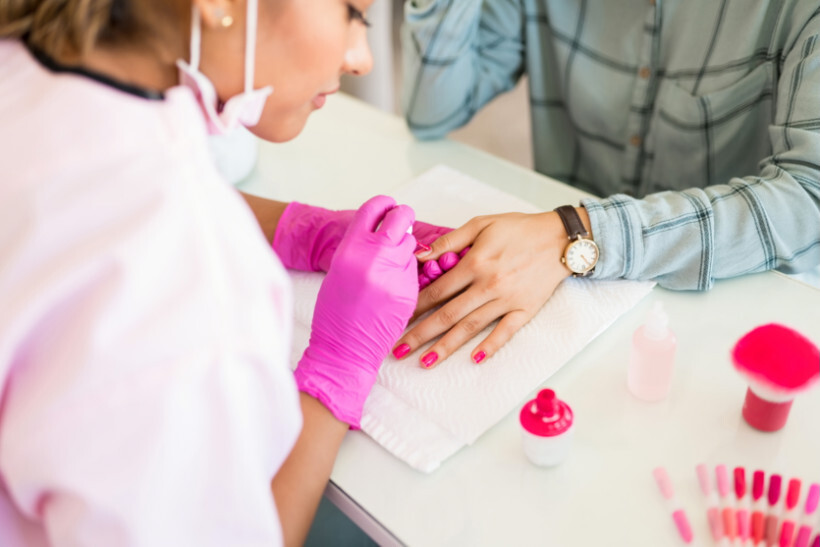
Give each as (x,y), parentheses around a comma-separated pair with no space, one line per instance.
(708,110)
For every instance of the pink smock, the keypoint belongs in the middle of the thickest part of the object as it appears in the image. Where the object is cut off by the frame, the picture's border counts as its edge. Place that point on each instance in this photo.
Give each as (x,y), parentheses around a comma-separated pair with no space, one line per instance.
(144,325)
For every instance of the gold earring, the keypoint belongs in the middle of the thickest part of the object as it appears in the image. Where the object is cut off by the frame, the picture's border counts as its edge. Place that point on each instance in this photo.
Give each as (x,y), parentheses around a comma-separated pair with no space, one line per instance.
(225,20)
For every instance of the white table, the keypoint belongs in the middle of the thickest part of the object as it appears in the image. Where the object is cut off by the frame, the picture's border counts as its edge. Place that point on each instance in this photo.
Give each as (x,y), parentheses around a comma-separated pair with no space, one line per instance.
(488,493)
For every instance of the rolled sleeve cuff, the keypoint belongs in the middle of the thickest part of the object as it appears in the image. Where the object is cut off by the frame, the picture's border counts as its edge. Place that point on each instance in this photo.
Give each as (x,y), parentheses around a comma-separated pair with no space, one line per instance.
(616,229)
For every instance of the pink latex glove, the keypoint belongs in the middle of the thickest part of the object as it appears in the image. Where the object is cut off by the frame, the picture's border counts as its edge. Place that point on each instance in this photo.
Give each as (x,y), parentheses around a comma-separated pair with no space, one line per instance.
(363,306)
(307,236)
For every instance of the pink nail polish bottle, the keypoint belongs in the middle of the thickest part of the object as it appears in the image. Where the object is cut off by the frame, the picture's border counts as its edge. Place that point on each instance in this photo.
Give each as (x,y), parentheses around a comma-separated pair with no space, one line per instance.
(652,357)
(547,424)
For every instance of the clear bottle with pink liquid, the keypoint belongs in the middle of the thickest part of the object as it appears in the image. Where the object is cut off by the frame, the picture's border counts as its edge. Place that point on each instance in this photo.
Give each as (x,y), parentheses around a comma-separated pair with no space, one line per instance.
(652,357)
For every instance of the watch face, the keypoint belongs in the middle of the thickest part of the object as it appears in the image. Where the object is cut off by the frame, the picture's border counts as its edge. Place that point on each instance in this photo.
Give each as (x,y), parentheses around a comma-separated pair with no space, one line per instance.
(581,255)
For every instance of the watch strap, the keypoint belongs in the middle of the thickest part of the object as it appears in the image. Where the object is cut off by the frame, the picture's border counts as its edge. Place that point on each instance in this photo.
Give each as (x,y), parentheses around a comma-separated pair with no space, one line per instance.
(572,221)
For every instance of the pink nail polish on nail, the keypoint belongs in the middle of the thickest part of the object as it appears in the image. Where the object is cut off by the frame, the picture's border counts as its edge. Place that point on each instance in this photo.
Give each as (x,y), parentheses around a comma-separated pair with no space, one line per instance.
(478,357)
(401,351)
(429,359)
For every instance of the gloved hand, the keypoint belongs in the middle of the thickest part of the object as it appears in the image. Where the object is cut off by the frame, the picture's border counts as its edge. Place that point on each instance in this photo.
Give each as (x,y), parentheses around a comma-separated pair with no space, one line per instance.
(306,236)
(363,306)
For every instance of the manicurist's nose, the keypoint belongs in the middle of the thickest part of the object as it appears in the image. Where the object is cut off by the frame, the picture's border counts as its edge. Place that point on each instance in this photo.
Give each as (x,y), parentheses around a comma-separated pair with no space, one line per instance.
(358,58)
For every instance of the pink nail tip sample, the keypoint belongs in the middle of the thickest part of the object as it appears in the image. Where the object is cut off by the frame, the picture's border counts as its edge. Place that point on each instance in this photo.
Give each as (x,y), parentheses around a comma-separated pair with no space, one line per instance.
(703,478)
(722,480)
(479,356)
(793,493)
(813,498)
(715,523)
(743,524)
(665,485)
(683,525)
(774,488)
(758,484)
(803,537)
(401,351)
(786,533)
(448,260)
(740,482)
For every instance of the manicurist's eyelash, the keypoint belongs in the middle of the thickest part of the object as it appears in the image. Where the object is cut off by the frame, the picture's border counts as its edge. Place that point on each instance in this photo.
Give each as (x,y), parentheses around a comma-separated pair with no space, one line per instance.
(356,15)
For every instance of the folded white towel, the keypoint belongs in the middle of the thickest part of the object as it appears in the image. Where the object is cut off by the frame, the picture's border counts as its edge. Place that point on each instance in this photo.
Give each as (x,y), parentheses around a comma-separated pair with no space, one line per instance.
(424,416)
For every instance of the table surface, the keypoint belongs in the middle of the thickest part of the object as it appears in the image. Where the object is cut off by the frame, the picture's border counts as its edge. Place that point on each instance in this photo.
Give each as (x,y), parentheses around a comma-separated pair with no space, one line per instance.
(604,494)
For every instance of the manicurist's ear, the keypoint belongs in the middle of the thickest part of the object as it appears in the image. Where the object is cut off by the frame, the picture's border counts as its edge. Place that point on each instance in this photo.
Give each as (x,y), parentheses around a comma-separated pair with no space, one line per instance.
(219,13)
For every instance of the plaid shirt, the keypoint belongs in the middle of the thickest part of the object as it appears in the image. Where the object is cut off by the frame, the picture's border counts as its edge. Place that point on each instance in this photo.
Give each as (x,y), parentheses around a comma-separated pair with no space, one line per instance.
(708,109)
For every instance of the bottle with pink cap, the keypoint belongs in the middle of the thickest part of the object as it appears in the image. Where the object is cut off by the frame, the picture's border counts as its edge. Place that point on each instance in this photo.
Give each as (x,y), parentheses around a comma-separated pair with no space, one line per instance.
(547,424)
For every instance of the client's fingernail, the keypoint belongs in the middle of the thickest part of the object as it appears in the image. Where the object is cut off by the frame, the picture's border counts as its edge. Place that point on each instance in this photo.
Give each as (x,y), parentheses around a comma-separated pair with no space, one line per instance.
(421,249)
(463,252)
(401,351)
(479,356)
(423,280)
(429,359)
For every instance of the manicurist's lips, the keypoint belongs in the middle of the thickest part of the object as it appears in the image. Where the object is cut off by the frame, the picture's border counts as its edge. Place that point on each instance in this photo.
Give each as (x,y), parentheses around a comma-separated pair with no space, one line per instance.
(319,100)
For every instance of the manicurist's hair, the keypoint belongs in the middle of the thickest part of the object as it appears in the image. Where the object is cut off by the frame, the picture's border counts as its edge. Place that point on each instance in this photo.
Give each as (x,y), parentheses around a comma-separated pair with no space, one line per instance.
(70,26)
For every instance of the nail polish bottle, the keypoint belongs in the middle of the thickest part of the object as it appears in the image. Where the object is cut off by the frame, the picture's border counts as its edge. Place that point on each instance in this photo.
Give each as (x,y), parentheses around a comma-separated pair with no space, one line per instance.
(547,424)
(652,357)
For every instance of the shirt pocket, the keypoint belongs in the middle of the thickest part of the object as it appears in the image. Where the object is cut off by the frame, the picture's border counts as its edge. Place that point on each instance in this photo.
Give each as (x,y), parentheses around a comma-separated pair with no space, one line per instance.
(699,140)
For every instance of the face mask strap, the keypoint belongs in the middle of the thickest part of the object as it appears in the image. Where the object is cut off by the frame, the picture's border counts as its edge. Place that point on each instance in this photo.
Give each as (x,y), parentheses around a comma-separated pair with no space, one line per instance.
(196,37)
(250,43)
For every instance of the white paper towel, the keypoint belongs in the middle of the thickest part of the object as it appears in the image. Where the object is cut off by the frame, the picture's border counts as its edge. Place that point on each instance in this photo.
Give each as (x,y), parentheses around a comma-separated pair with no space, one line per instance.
(424,416)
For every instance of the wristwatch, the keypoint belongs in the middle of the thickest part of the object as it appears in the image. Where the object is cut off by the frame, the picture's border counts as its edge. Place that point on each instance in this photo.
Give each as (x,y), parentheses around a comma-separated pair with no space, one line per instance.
(581,253)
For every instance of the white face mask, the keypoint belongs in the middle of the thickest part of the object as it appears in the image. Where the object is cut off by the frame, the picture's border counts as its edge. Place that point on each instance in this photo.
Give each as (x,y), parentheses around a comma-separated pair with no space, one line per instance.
(245,108)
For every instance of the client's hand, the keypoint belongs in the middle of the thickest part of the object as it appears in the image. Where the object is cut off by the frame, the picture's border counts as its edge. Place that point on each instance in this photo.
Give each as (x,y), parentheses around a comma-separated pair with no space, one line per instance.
(363,306)
(511,270)
(306,236)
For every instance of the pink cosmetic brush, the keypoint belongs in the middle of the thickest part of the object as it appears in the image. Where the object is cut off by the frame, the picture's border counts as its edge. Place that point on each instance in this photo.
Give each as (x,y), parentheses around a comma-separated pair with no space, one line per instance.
(812,500)
(778,363)
(712,509)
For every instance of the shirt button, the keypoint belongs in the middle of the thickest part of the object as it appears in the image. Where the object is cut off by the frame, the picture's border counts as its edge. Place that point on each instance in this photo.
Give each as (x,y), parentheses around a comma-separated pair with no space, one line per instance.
(635,141)
(644,72)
